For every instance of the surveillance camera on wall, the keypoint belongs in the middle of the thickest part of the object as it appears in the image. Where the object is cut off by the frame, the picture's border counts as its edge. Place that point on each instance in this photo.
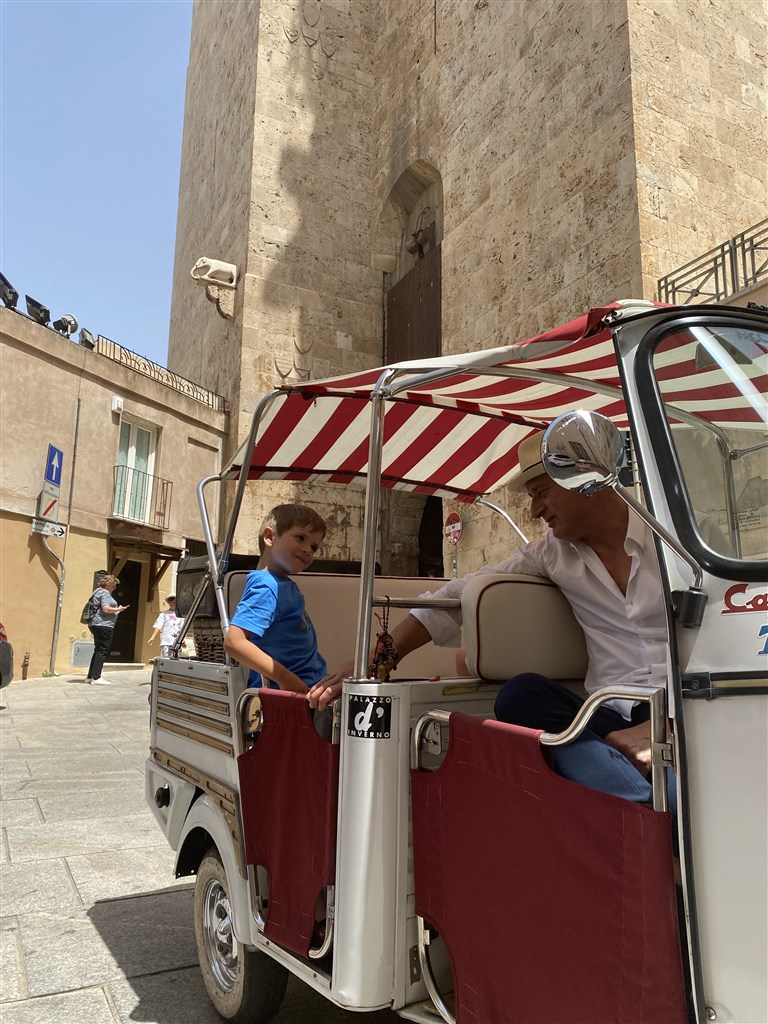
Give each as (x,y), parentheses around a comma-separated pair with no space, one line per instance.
(209,271)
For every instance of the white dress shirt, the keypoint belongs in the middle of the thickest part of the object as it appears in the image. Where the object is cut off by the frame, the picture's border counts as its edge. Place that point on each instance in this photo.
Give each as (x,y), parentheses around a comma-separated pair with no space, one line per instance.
(626,634)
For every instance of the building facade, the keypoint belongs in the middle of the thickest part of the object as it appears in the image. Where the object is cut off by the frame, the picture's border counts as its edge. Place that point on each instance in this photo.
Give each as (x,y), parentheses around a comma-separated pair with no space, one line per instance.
(134,442)
(400,177)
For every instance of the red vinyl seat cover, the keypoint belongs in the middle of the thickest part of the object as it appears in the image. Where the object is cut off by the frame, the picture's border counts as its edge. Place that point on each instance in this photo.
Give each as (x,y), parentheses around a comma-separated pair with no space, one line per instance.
(289,795)
(556,903)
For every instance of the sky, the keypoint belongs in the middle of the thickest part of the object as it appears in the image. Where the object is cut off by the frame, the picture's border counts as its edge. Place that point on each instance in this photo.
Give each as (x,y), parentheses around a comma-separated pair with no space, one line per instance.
(91,118)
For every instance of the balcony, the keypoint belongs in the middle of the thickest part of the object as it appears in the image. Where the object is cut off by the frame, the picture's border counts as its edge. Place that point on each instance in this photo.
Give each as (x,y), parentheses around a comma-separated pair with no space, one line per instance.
(722,272)
(141,498)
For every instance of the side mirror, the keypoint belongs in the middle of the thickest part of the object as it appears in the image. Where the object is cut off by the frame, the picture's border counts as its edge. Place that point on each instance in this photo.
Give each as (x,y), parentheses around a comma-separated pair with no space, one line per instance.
(583,451)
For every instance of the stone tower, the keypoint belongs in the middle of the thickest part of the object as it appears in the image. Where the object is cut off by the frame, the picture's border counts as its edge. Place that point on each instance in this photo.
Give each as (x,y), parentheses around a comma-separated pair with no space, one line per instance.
(484,168)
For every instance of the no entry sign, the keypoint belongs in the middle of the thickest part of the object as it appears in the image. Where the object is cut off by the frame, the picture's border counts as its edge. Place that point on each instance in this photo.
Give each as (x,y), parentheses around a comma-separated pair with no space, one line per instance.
(452,527)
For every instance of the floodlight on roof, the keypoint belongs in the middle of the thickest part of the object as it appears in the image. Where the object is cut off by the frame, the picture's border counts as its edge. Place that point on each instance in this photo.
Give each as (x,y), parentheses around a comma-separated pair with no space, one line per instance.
(87,340)
(8,293)
(37,311)
(66,325)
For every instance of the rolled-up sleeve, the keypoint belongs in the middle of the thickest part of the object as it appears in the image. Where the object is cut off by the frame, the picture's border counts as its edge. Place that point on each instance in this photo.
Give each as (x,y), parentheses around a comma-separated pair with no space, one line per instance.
(444,624)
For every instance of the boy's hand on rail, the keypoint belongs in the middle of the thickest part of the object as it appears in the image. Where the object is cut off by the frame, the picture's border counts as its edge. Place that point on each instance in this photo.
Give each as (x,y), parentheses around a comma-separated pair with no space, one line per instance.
(329,687)
(322,694)
(635,744)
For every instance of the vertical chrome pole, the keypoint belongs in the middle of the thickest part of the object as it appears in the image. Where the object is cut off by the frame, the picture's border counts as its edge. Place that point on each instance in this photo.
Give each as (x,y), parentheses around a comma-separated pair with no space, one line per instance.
(370,528)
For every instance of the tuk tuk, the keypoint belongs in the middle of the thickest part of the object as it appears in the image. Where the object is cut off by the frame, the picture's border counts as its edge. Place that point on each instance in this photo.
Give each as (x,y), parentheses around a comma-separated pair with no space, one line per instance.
(463,879)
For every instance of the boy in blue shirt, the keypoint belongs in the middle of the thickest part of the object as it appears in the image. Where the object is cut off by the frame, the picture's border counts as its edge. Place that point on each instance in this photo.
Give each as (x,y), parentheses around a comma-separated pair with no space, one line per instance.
(270,631)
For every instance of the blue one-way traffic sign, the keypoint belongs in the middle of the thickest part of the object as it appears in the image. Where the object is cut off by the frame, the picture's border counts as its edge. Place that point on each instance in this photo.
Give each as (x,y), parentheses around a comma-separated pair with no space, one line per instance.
(53,465)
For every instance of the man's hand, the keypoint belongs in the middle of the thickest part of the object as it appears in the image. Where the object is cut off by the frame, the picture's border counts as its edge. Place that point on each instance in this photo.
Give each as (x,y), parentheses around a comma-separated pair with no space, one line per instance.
(329,687)
(635,744)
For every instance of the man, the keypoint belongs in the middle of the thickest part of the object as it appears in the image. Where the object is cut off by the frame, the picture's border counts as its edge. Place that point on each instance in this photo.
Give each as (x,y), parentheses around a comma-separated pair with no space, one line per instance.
(602,558)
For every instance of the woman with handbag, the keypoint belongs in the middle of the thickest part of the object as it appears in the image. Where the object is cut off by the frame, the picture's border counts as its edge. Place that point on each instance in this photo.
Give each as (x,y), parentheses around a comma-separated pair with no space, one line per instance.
(102,627)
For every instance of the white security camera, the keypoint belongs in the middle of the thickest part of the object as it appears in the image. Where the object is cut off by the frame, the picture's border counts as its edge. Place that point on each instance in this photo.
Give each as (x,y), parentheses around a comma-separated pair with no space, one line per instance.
(208,271)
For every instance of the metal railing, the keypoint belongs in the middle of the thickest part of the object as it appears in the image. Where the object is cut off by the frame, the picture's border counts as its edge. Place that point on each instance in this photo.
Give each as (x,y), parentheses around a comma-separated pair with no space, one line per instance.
(145,366)
(724,271)
(141,497)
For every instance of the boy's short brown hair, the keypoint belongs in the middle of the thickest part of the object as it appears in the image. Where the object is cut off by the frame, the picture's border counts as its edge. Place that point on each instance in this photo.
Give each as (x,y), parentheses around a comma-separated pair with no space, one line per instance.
(285,517)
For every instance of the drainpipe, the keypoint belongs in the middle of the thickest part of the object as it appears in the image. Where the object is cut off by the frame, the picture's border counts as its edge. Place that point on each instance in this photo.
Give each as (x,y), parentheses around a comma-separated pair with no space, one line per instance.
(57,617)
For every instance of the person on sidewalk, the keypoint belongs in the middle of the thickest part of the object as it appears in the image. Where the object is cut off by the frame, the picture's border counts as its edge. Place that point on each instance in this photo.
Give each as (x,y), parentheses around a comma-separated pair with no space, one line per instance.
(102,627)
(168,626)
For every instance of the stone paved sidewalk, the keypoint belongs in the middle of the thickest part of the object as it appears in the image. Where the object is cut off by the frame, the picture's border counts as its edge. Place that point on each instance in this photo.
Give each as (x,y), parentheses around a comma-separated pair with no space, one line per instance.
(94,929)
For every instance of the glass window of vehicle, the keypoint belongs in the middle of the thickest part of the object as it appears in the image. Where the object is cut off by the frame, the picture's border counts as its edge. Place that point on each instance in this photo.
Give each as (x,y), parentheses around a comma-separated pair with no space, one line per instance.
(717,378)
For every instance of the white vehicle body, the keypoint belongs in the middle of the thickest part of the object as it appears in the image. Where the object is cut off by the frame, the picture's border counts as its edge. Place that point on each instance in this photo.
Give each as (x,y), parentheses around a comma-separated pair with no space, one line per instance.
(682,381)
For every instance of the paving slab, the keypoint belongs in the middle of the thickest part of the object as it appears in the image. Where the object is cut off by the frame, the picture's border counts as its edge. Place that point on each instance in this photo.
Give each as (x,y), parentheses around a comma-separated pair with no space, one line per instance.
(174,997)
(121,873)
(111,940)
(90,1006)
(15,769)
(20,812)
(98,804)
(80,763)
(47,785)
(50,739)
(13,983)
(39,886)
(83,836)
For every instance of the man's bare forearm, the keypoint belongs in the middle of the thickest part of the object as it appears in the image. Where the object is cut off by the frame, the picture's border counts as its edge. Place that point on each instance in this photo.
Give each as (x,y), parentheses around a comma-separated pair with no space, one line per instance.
(409,635)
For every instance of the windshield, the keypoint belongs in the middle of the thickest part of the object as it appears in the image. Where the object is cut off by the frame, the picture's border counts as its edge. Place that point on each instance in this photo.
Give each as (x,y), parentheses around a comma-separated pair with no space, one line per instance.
(718,377)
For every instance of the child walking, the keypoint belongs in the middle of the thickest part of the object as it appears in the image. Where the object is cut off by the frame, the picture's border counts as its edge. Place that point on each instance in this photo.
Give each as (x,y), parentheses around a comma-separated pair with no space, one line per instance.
(168,625)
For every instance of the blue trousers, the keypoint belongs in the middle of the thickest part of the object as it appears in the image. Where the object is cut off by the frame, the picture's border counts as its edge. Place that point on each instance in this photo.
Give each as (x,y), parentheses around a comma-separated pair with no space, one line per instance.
(535,702)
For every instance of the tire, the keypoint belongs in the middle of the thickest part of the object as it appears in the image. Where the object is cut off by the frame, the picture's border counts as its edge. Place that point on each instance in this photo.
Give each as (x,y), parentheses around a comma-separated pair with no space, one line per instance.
(245,985)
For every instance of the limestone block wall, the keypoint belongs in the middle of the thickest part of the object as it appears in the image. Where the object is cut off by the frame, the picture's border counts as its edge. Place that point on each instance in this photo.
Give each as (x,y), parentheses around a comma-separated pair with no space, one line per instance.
(214,189)
(577,151)
(526,112)
(700,111)
(311,299)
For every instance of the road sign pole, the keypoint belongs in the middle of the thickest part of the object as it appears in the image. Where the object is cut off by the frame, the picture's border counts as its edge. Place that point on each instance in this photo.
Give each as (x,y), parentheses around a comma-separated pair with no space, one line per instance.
(452,532)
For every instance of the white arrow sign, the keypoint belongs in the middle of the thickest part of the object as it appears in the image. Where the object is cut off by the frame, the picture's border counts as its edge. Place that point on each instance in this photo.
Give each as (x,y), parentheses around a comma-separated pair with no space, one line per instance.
(48,529)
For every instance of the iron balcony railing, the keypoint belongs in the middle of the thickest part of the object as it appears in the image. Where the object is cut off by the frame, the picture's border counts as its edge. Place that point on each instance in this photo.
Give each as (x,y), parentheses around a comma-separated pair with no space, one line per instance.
(141,497)
(722,272)
(111,349)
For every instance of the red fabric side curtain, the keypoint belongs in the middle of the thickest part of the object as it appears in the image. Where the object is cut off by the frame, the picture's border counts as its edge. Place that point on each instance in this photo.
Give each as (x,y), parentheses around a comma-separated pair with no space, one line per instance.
(556,903)
(289,794)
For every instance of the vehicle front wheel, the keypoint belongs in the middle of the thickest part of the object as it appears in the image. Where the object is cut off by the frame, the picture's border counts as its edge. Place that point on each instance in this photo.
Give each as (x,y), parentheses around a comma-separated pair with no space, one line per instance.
(245,985)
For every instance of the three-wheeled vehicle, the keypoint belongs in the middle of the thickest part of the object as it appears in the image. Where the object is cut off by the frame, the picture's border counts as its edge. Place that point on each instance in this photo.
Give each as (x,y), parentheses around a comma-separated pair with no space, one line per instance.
(462,877)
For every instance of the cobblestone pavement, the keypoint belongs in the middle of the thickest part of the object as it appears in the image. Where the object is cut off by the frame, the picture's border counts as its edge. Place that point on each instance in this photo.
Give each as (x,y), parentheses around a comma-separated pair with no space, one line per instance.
(94,927)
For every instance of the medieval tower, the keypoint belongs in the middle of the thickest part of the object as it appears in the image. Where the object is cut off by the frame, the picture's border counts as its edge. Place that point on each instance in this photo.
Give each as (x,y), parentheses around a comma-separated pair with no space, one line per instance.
(397,178)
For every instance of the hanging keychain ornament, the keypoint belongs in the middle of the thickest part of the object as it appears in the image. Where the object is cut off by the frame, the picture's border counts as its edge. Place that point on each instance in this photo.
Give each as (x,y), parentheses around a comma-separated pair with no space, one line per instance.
(385,657)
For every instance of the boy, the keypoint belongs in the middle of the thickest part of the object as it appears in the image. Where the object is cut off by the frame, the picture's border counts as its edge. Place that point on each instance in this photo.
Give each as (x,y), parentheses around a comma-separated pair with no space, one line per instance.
(168,625)
(270,631)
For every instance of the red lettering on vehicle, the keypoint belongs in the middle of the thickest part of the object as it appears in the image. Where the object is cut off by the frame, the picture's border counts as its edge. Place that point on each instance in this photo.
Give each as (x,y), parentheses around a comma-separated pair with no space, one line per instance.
(759,603)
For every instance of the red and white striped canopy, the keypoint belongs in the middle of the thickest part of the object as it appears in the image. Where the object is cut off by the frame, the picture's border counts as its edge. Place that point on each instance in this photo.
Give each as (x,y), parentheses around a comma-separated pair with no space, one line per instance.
(453,425)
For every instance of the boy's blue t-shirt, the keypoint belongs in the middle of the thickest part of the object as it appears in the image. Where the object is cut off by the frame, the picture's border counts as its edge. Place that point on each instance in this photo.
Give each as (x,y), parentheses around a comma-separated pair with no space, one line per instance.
(272,611)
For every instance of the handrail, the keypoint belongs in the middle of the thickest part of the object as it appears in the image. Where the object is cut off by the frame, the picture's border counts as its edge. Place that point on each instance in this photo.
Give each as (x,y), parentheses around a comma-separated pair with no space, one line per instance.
(661,750)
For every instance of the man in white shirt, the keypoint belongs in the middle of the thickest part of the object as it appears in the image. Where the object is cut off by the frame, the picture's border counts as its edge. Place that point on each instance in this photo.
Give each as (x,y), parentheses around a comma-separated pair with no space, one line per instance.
(603,559)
